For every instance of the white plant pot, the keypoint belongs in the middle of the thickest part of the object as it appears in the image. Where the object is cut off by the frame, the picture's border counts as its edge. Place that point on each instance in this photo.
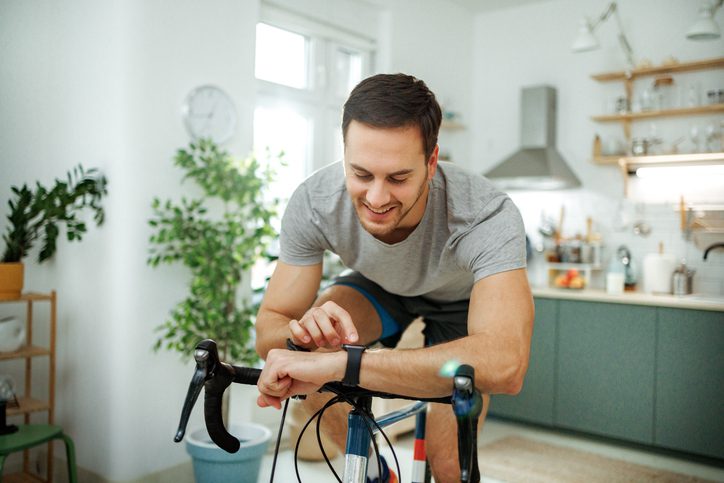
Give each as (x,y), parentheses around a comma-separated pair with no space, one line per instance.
(12,334)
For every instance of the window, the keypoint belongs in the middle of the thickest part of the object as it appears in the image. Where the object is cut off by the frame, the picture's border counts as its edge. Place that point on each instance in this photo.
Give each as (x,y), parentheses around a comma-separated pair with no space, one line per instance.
(305,71)
(281,56)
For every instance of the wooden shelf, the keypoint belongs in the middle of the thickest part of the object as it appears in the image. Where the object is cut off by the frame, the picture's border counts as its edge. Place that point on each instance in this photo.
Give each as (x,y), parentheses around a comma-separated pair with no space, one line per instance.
(682,111)
(29,296)
(608,159)
(451,125)
(29,405)
(677,159)
(23,352)
(661,159)
(22,478)
(717,63)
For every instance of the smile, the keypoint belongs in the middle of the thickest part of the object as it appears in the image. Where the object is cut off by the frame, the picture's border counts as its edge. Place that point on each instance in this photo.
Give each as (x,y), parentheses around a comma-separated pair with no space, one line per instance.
(379,212)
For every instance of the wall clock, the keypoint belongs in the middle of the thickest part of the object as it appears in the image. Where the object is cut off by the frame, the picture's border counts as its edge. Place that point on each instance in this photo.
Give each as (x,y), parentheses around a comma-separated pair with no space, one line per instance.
(208,112)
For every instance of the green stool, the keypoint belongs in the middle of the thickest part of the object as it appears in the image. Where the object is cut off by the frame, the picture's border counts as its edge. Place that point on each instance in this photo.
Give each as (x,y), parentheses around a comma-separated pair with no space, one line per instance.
(30,435)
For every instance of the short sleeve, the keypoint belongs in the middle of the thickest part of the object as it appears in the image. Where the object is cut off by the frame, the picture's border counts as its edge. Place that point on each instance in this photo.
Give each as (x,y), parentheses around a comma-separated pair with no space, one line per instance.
(495,241)
(300,240)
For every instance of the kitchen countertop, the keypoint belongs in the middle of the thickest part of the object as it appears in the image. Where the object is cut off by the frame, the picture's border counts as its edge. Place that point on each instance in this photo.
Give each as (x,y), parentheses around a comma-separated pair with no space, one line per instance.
(694,301)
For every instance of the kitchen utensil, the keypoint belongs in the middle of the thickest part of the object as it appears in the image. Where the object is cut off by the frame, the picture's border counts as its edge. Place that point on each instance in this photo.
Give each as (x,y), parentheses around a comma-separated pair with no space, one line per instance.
(657,271)
(559,231)
(642,229)
(547,227)
(682,280)
(629,269)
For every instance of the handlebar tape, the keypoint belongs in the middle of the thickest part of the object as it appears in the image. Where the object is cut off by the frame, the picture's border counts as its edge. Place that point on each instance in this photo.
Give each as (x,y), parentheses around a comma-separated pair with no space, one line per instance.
(246,375)
(214,393)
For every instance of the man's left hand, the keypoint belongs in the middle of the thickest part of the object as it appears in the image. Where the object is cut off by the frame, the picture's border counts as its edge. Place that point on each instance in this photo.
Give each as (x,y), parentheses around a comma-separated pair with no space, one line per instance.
(290,373)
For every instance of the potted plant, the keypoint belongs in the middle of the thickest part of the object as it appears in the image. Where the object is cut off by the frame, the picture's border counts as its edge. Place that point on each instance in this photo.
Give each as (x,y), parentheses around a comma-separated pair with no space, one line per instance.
(36,214)
(217,236)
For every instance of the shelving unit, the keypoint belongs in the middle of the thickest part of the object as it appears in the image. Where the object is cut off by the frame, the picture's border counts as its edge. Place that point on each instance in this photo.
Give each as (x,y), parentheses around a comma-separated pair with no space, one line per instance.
(627,119)
(28,404)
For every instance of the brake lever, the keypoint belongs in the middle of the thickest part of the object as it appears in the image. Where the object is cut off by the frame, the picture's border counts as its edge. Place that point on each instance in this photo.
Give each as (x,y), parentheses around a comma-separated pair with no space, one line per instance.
(201,355)
(215,376)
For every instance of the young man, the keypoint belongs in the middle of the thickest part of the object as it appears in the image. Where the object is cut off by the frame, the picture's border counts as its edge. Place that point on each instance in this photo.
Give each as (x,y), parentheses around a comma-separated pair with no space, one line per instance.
(425,239)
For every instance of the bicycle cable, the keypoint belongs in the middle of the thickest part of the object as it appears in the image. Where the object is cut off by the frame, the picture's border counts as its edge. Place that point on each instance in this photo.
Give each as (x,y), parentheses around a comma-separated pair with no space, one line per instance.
(279,438)
(367,418)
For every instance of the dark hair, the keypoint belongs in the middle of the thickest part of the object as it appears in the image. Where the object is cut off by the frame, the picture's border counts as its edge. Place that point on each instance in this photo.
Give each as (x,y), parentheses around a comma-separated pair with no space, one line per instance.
(395,100)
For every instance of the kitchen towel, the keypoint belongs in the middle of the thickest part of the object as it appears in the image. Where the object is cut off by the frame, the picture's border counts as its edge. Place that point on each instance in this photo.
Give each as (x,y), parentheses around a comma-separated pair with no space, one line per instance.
(658,268)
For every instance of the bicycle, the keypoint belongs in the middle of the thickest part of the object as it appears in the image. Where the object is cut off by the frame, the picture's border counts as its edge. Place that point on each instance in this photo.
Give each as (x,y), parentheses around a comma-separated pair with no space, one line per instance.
(215,376)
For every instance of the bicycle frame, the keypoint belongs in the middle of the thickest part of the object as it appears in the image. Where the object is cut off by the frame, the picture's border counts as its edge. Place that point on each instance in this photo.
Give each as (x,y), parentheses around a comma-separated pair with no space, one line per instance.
(215,376)
(359,439)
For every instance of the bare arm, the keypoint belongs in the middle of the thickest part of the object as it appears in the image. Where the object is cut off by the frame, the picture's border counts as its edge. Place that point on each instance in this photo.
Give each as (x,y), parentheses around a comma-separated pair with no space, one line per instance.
(285,312)
(290,293)
(500,326)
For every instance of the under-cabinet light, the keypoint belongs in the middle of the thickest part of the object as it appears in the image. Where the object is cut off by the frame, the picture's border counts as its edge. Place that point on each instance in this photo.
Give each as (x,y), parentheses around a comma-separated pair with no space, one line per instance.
(680,171)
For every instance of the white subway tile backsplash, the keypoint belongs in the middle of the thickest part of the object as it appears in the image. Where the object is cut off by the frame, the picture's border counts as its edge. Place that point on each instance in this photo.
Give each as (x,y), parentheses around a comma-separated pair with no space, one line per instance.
(608,216)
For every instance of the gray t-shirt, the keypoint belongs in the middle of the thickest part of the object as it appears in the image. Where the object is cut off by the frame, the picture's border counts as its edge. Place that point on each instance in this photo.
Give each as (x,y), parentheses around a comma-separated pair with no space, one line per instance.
(468,232)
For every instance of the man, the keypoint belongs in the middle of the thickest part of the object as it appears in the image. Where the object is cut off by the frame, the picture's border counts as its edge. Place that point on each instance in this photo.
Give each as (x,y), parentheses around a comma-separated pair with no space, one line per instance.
(425,239)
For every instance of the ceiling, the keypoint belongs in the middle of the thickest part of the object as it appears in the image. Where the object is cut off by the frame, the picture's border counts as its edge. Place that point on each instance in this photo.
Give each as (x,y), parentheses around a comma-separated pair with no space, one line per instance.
(490,5)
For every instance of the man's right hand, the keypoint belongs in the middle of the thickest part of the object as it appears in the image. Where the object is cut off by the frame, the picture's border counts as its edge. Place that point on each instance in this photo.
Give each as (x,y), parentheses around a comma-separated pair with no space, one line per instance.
(328,325)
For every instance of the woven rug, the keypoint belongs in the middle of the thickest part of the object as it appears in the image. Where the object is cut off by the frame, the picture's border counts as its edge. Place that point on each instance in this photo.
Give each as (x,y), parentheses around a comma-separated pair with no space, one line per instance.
(516,459)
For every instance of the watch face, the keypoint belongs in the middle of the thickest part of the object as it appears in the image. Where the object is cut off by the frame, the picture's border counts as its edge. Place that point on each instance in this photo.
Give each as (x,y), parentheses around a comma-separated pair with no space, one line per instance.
(209,113)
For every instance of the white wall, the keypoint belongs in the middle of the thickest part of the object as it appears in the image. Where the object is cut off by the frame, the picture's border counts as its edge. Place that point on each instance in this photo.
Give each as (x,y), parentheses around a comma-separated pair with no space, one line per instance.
(530,45)
(432,41)
(102,83)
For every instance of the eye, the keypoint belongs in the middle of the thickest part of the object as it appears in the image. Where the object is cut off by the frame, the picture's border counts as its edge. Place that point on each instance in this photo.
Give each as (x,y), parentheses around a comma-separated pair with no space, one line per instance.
(363,177)
(397,180)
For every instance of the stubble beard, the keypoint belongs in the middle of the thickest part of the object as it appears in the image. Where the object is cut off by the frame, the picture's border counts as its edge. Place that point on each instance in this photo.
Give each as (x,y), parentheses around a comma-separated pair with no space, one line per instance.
(380,231)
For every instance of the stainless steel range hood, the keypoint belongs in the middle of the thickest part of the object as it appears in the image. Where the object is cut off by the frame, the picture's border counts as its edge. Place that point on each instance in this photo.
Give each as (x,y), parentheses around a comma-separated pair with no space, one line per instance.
(537,164)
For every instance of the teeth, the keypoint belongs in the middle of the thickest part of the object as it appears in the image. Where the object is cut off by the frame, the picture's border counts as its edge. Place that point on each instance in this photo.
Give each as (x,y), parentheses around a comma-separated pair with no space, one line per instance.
(378,212)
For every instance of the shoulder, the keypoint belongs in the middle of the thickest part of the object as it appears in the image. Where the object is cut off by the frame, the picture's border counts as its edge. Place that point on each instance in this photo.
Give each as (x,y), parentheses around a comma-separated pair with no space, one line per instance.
(325,182)
(470,197)
(320,195)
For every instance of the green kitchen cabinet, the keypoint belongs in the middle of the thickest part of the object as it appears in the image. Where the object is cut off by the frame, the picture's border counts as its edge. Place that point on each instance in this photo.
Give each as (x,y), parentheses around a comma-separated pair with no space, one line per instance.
(690,381)
(605,369)
(534,403)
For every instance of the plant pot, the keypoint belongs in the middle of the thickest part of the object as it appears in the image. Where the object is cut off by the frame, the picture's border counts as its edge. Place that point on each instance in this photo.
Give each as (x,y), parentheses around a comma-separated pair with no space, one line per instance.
(213,464)
(11,280)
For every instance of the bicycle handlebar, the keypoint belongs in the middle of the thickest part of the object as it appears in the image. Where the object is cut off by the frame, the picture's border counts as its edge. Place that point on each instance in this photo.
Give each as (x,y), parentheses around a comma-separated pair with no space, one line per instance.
(215,376)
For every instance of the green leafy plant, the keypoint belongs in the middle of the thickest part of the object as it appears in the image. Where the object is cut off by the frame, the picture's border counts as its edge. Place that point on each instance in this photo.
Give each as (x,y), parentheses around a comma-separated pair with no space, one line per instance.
(36,214)
(217,237)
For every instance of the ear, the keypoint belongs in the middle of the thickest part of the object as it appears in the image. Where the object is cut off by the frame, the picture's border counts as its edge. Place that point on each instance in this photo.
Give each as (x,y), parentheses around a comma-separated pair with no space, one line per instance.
(432,162)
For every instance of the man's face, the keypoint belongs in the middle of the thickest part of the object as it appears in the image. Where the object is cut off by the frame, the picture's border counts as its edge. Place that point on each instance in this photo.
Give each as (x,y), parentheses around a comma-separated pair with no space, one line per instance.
(387,178)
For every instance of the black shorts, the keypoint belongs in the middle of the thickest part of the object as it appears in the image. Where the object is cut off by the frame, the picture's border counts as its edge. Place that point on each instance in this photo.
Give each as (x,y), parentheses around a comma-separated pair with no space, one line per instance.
(444,321)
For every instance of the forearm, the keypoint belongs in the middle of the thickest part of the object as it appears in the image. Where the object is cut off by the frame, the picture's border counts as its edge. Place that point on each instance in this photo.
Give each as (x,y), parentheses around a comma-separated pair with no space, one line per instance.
(497,369)
(272,331)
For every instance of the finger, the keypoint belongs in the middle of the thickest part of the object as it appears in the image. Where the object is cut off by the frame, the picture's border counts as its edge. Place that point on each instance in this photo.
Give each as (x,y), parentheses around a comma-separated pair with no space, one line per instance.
(348,330)
(309,324)
(266,401)
(327,326)
(299,335)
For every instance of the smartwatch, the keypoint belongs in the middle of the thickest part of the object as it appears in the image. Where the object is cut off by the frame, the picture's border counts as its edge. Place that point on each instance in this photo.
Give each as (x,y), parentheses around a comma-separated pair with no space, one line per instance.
(354,361)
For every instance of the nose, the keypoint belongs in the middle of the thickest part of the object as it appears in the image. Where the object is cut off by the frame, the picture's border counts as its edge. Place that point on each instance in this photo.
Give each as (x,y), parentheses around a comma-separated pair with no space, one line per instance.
(377,195)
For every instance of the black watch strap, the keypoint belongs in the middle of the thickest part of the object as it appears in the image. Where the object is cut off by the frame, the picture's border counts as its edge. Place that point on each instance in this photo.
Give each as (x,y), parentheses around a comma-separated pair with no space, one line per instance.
(354,361)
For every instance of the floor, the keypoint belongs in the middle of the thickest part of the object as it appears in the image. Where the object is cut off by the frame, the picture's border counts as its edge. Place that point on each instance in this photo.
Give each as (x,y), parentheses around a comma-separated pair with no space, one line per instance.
(494,429)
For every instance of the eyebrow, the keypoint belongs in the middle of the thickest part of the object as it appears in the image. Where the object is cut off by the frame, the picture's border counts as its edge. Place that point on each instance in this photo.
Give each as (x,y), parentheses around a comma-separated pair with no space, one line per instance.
(401,172)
